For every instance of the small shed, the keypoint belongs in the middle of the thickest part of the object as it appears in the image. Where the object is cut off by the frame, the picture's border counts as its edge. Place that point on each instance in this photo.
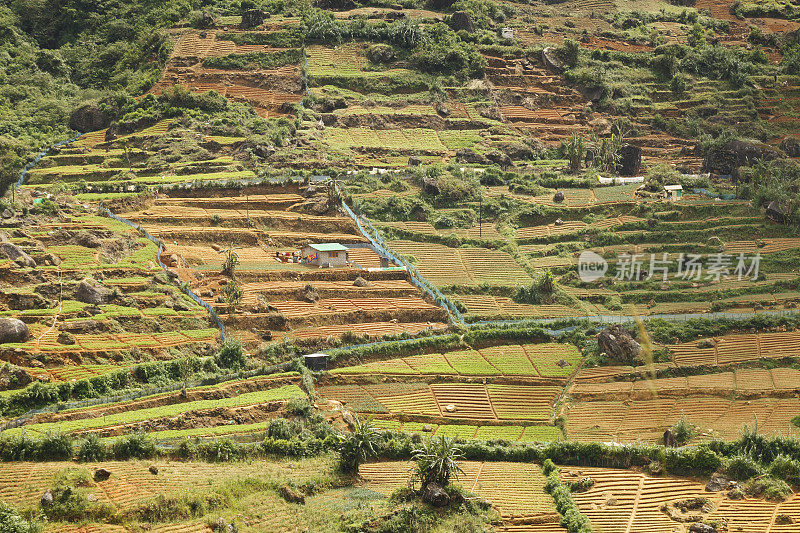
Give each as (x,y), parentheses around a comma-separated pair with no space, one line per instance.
(330,254)
(316,362)
(776,213)
(673,192)
(507,33)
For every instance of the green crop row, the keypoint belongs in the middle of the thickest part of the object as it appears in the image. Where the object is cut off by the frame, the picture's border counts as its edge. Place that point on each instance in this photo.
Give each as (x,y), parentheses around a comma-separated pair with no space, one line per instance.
(251,398)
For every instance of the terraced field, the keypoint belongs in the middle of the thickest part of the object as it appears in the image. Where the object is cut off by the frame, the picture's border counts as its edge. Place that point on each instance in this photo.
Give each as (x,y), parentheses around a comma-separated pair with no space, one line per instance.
(533,360)
(622,500)
(516,490)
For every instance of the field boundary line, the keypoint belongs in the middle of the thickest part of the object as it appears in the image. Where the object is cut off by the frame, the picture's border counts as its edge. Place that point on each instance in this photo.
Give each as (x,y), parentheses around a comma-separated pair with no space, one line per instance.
(477,476)
(489,400)
(531,360)
(436,399)
(635,504)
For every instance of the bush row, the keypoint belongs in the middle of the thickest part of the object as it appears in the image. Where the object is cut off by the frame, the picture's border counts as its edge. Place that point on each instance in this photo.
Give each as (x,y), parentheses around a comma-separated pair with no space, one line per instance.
(571,517)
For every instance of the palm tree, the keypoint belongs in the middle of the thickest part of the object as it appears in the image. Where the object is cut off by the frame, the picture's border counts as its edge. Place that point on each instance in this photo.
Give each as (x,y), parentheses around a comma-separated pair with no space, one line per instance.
(437,461)
(358,445)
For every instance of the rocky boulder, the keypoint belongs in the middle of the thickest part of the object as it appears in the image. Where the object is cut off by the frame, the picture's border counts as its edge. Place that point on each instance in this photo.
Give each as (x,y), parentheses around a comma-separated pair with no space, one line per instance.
(700,527)
(414,161)
(91,292)
(430,186)
(13,330)
(381,53)
(253,18)
(14,377)
(791,146)
(66,338)
(434,494)
(461,20)
(361,282)
(102,474)
(558,197)
(87,239)
(88,117)
(727,159)
(618,343)
(17,254)
(499,158)
(47,499)
(516,150)
(551,60)
(291,495)
(630,161)
(669,438)
(717,483)
(466,155)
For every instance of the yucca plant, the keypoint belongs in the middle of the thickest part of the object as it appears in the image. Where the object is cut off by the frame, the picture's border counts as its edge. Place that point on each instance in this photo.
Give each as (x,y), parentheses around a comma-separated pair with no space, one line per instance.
(436,461)
(574,150)
(358,445)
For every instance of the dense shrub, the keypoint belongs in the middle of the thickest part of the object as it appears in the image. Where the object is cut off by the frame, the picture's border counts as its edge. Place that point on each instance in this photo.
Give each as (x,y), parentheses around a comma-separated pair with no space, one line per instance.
(92,449)
(13,522)
(133,446)
(231,355)
(742,467)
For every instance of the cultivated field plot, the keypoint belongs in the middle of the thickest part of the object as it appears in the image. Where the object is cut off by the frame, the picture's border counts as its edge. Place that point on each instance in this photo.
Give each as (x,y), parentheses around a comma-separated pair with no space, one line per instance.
(463,266)
(516,490)
(646,420)
(728,349)
(265,89)
(461,401)
(622,501)
(115,423)
(481,306)
(487,230)
(749,382)
(550,360)
(374,330)
(406,140)
(22,483)
(514,433)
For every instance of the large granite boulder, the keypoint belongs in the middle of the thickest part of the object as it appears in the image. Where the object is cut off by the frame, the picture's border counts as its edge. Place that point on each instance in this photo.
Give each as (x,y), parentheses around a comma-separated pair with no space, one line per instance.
(13,330)
(791,146)
(461,20)
(727,159)
(616,342)
(91,292)
(434,494)
(88,117)
(17,254)
(630,161)
(252,18)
